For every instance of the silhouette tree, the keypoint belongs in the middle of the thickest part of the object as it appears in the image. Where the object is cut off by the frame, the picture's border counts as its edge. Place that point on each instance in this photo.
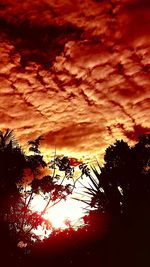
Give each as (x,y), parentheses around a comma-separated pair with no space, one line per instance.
(121,188)
(21,180)
(123,183)
(12,163)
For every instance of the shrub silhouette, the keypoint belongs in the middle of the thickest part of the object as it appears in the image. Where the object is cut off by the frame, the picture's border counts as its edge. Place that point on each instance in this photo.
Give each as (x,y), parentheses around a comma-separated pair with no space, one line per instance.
(16,193)
(122,188)
(124,180)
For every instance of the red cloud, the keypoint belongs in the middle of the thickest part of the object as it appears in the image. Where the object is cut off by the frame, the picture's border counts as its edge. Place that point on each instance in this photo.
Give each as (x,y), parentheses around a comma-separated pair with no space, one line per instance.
(78,74)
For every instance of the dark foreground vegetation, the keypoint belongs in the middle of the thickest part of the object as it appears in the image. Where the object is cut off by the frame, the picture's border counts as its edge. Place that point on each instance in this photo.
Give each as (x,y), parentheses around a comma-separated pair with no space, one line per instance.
(116,230)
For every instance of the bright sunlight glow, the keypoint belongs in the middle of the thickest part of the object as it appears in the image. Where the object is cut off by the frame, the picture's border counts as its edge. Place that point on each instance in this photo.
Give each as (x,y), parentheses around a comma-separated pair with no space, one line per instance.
(69,212)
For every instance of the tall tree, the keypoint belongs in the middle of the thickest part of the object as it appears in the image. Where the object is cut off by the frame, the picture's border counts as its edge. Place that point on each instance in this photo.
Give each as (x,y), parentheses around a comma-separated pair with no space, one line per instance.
(124,180)
(17,191)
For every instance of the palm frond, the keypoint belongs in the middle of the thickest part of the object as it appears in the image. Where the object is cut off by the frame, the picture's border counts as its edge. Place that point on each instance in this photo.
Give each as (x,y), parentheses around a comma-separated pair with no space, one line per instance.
(94,182)
(82,200)
(97,174)
(8,134)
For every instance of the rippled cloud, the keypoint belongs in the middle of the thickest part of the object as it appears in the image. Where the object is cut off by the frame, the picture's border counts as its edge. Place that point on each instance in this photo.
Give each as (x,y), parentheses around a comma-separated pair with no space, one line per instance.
(76,73)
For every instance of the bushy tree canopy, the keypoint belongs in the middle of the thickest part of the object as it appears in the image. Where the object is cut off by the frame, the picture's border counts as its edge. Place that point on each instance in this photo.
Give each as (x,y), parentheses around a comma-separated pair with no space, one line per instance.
(124,180)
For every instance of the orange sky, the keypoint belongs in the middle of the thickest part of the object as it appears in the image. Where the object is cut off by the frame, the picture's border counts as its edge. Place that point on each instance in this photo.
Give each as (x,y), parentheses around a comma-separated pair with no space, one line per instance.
(75,71)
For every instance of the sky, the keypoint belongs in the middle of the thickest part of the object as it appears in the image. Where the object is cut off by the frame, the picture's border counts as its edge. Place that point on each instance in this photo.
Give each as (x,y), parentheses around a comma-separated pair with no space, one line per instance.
(76,72)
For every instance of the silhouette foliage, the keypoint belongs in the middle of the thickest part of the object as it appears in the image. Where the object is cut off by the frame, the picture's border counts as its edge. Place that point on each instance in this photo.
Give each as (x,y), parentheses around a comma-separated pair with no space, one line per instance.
(122,185)
(120,188)
(17,192)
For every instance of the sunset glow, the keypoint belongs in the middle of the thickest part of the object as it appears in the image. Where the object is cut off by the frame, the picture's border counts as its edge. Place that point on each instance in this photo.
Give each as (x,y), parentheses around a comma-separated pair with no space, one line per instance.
(66,213)
(69,210)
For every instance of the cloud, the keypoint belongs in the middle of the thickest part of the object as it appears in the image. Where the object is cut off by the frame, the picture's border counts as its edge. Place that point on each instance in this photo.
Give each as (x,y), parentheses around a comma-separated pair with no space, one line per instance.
(78,74)
(134,17)
(38,43)
(133,134)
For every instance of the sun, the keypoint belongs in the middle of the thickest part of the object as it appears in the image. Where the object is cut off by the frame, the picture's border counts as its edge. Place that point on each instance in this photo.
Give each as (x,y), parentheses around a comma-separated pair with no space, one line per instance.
(66,213)
(66,210)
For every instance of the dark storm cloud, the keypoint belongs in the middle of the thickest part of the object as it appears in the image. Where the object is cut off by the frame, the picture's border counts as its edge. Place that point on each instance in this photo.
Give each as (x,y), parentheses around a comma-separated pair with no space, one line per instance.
(35,43)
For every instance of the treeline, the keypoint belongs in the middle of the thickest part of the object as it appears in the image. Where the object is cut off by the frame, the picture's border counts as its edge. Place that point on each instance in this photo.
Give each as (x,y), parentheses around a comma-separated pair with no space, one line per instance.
(116,230)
